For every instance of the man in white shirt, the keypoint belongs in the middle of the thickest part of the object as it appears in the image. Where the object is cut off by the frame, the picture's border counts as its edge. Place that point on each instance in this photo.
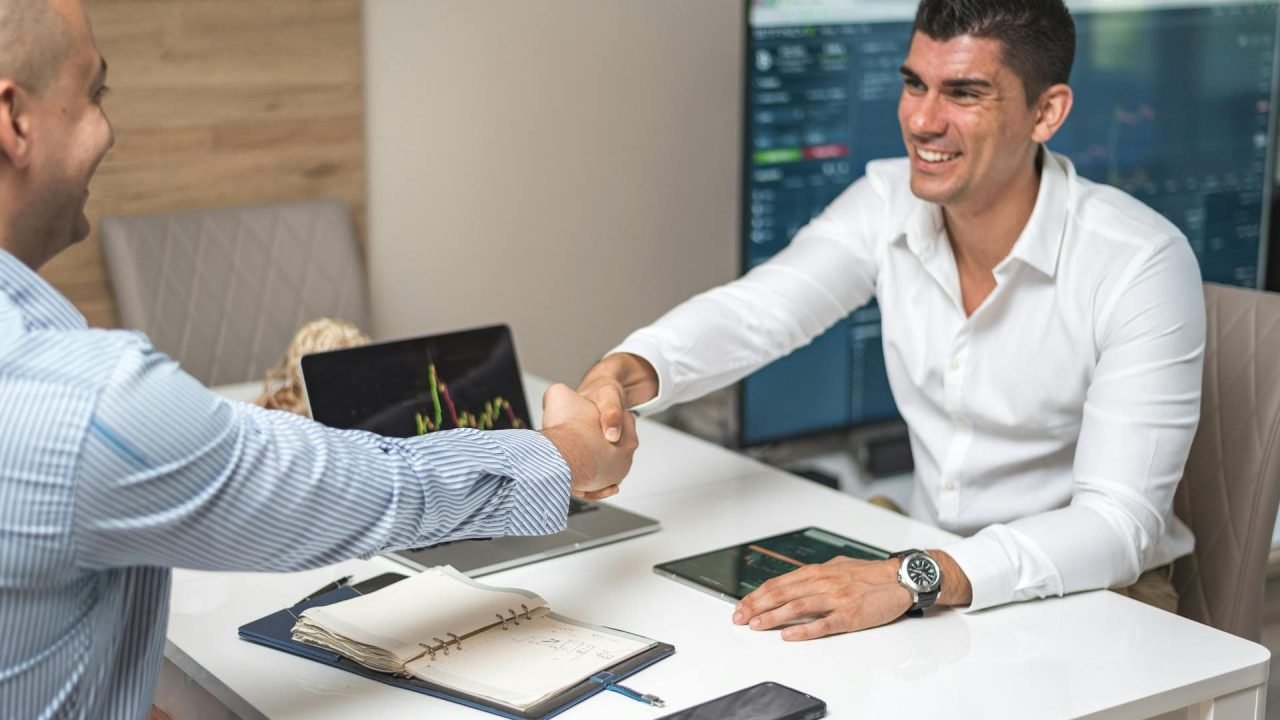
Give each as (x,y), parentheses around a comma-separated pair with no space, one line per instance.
(1043,334)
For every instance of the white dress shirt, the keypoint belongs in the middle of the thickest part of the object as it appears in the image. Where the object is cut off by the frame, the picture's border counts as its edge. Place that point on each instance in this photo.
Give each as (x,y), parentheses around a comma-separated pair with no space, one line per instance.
(1050,427)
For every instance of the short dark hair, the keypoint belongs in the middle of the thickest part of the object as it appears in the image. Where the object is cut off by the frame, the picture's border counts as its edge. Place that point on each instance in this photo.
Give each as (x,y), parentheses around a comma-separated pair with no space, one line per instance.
(1038,37)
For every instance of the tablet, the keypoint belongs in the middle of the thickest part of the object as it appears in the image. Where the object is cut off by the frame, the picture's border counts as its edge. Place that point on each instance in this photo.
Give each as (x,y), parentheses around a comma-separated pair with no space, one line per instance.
(733,572)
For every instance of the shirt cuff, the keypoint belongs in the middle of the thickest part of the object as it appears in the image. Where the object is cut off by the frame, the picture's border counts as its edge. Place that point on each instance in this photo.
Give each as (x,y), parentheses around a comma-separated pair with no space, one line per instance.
(992,576)
(541,482)
(638,343)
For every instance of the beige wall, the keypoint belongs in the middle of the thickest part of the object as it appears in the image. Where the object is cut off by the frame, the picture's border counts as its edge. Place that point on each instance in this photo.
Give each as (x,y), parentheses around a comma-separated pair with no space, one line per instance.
(567,166)
(221,102)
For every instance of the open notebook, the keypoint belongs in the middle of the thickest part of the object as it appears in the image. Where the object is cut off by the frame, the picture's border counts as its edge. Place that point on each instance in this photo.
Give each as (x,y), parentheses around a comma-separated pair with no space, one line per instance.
(496,648)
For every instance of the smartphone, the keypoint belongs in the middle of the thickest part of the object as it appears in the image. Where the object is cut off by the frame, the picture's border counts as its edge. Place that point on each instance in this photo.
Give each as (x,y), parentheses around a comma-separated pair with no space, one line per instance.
(766,701)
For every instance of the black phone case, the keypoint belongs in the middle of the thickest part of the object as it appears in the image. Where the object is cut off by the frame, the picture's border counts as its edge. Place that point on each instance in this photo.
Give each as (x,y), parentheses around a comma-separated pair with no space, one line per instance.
(812,711)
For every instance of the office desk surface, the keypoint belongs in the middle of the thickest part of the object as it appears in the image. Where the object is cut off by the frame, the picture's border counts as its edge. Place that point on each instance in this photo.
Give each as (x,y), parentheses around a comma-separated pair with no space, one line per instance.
(1089,655)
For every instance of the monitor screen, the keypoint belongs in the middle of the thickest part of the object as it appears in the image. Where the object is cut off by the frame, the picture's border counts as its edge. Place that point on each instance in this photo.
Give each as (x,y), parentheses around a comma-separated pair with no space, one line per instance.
(403,388)
(1173,104)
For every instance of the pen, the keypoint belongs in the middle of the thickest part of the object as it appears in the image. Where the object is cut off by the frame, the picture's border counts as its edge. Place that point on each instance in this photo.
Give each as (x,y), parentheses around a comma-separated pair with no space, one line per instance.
(340,582)
(645,698)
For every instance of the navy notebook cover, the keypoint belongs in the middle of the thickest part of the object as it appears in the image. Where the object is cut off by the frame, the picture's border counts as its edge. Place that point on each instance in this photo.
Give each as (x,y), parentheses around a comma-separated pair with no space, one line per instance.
(275,631)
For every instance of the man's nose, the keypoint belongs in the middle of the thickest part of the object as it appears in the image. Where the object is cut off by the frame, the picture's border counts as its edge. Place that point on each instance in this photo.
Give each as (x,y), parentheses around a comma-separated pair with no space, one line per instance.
(927,117)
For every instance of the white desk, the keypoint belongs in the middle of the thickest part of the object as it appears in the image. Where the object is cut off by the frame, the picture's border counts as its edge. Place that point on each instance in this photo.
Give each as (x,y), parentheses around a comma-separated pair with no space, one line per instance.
(1095,655)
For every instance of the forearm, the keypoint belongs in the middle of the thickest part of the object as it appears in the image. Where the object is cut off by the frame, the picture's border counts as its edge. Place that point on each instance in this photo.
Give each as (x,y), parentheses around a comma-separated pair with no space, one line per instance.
(177,477)
(719,337)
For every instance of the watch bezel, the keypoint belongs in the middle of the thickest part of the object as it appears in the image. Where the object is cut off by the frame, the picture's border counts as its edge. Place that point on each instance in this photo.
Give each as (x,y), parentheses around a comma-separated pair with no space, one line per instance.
(905,579)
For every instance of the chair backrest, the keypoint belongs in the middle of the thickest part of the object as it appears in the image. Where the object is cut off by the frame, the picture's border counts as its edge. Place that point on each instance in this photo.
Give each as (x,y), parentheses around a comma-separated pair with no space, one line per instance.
(1231,486)
(223,291)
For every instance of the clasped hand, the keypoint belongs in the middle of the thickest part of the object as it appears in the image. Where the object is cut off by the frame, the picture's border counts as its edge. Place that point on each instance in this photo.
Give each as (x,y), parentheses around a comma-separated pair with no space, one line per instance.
(574,425)
(839,596)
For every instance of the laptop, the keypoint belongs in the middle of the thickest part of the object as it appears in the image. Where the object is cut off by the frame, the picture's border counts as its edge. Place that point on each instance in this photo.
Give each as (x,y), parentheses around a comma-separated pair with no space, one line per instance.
(468,378)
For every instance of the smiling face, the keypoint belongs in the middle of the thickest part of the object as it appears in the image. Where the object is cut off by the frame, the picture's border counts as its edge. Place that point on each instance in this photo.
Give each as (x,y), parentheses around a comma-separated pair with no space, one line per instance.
(966,123)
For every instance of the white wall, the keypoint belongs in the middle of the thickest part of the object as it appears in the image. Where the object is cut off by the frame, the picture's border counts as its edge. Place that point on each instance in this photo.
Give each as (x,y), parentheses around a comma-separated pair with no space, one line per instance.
(567,166)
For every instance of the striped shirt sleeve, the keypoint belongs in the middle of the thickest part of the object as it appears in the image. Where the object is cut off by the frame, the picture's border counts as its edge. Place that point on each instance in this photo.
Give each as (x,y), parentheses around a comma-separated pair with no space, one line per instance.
(173,475)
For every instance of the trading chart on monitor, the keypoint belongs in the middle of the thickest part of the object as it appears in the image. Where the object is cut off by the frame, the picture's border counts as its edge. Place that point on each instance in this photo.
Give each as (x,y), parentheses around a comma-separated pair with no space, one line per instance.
(1174,104)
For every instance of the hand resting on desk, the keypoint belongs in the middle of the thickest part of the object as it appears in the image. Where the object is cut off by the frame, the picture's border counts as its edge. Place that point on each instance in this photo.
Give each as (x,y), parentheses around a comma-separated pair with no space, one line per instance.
(841,595)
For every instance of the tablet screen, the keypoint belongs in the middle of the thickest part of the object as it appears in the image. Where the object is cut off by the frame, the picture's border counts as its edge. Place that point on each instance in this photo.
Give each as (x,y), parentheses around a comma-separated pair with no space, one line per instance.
(733,572)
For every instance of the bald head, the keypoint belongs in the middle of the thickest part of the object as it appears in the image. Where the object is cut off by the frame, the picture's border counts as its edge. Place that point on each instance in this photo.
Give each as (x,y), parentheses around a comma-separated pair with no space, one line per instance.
(34,43)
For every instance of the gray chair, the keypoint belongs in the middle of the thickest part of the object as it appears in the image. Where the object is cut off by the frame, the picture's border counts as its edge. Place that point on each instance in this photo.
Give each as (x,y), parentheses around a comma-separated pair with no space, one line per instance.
(223,291)
(1231,486)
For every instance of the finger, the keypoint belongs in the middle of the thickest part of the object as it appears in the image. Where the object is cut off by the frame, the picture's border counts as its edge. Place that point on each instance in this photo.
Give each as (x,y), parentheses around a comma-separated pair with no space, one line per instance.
(808,606)
(833,624)
(777,592)
(629,434)
(600,494)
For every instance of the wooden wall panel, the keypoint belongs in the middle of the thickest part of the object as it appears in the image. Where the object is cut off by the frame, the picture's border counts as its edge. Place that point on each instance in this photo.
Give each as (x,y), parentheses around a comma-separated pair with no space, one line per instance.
(221,102)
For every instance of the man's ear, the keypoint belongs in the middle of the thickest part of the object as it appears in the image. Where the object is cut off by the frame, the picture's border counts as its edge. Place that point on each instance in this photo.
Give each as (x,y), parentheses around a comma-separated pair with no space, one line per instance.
(15,124)
(1052,110)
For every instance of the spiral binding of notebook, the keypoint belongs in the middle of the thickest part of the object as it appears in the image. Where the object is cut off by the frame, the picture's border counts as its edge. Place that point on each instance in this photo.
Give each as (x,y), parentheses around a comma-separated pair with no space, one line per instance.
(442,646)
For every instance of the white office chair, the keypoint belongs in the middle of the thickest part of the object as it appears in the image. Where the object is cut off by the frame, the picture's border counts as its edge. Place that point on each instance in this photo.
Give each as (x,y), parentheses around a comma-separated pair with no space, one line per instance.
(223,291)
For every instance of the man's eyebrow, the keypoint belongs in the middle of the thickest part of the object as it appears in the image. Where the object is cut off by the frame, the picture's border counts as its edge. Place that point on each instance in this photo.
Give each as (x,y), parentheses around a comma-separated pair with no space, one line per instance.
(968,84)
(962,83)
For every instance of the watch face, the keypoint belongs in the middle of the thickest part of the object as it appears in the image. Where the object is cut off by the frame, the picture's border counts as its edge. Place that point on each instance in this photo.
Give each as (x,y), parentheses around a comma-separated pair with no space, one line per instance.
(922,571)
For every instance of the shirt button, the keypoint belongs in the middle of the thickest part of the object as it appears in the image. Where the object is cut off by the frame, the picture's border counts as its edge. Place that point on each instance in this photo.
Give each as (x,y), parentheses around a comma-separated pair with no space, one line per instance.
(955,363)
(950,486)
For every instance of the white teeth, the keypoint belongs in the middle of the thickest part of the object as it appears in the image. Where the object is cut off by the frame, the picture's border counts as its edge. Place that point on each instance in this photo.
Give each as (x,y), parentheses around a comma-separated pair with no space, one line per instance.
(935,157)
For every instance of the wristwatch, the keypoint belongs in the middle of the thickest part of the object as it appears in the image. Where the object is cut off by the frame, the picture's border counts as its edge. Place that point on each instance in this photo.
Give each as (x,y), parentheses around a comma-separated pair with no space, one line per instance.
(921,576)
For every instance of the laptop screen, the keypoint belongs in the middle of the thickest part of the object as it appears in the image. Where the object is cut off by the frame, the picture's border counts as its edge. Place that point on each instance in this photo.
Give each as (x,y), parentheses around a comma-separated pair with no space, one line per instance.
(411,387)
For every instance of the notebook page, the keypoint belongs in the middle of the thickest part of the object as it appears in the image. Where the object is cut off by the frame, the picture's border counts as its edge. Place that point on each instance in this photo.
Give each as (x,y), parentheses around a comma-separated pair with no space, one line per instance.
(525,663)
(430,605)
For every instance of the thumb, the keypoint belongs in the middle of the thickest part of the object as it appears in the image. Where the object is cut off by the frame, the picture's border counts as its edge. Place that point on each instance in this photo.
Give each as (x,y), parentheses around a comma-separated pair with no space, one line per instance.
(612,411)
(611,422)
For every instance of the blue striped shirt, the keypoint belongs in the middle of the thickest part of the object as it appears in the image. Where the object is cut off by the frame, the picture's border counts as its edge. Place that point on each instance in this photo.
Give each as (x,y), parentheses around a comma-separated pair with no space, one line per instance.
(116,466)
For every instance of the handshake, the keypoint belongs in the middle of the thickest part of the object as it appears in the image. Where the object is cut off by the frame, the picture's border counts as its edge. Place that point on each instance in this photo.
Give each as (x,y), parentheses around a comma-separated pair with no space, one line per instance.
(592,428)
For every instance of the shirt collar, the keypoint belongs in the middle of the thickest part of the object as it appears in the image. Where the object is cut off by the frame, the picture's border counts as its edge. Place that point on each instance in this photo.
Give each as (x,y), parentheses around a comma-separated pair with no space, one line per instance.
(40,305)
(1041,239)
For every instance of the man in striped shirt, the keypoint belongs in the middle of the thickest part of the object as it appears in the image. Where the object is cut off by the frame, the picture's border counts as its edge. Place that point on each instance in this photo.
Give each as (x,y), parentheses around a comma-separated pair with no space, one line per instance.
(116,466)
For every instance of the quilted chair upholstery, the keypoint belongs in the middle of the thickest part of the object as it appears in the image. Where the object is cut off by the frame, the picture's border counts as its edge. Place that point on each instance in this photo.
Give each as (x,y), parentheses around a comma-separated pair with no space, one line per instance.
(1231,486)
(223,291)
